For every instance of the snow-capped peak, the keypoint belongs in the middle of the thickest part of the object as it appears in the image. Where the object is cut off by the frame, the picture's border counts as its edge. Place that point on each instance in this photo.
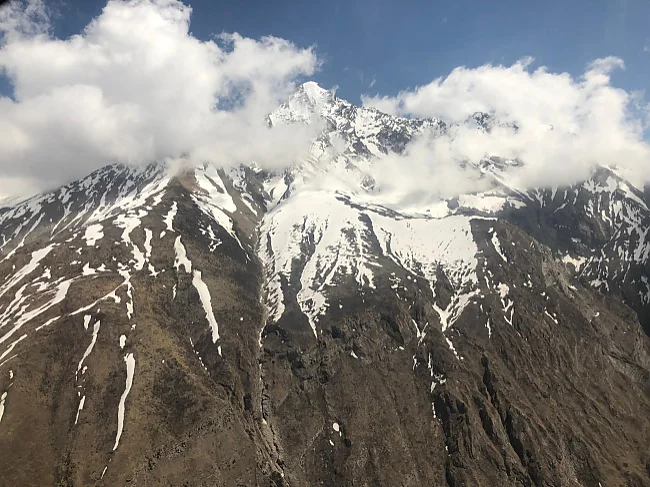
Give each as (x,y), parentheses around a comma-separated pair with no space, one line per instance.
(315,92)
(306,104)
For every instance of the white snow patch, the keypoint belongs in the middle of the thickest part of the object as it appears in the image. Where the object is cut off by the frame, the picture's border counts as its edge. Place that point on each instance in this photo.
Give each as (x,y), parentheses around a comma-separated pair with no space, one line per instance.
(206,301)
(129,359)
(169,217)
(24,317)
(3,398)
(11,347)
(129,222)
(37,256)
(551,317)
(87,270)
(93,233)
(181,256)
(47,323)
(90,347)
(451,346)
(214,200)
(80,408)
(497,246)
(147,243)
(577,262)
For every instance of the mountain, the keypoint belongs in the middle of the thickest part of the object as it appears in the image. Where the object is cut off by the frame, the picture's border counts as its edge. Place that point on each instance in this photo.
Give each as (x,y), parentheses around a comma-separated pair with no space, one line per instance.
(237,326)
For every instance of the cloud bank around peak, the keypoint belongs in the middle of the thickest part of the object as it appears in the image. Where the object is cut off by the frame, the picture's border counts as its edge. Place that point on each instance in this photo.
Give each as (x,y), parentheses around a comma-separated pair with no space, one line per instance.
(559,126)
(136,86)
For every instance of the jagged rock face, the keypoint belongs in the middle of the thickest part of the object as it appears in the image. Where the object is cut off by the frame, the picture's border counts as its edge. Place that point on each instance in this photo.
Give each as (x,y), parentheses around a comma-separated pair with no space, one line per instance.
(239,327)
(599,228)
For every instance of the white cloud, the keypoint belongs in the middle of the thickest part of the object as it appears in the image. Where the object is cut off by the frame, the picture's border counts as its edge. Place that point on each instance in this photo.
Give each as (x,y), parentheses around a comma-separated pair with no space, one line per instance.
(137,86)
(20,19)
(566,126)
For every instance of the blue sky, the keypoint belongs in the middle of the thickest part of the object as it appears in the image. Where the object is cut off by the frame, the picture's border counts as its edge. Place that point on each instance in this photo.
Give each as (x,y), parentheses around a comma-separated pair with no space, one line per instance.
(403,44)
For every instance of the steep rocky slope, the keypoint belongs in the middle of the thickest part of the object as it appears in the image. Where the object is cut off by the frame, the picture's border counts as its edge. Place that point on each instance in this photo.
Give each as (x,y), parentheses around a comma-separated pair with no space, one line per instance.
(210,326)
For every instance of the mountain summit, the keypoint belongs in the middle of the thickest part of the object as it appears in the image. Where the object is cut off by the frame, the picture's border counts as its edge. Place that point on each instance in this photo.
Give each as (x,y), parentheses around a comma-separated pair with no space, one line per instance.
(315,326)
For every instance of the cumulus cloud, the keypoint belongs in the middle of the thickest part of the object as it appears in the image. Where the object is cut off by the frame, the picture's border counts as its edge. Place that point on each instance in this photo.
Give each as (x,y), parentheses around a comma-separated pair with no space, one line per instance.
(136,86)
(558,126)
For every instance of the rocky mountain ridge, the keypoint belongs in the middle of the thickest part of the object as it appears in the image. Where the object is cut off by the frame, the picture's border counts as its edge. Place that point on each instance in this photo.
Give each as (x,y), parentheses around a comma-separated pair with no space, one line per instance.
(232,326)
